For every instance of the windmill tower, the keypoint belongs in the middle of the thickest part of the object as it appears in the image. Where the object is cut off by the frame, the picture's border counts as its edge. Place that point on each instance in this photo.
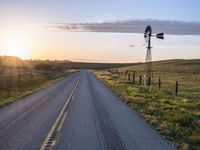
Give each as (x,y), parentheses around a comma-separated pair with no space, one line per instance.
(148,59)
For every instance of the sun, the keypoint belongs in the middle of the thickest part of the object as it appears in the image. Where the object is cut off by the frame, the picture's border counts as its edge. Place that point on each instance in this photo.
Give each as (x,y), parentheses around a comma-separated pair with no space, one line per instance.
(16,48)
(16,45)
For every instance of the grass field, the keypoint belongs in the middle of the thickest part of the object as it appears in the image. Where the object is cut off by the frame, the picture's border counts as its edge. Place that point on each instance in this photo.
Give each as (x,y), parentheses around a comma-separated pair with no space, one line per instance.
(22,77)
(19,78)
(20,88)
(175,117)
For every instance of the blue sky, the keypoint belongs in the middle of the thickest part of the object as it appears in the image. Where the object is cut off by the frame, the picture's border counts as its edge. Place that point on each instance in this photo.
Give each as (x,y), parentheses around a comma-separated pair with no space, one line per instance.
(37,11)
(18,38)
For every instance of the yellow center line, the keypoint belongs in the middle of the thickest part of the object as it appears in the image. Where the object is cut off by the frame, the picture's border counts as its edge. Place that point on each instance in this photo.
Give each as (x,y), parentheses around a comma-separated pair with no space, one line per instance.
(56,128)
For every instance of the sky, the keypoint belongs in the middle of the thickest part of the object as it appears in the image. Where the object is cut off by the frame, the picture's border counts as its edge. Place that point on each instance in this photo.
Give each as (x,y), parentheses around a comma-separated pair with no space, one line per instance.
(17,38)
(18,11)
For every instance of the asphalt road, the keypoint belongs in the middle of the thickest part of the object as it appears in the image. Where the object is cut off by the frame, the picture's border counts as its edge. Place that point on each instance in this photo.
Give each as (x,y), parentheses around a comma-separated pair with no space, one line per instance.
(25,123)
(95,120)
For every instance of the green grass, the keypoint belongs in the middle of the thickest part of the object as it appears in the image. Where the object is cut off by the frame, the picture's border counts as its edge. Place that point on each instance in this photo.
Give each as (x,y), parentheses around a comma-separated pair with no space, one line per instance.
(175,117)
(19,77)
(24,87)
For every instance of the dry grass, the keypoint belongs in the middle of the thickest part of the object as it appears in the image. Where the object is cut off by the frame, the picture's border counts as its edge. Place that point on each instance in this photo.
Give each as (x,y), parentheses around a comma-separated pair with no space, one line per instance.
(19,78)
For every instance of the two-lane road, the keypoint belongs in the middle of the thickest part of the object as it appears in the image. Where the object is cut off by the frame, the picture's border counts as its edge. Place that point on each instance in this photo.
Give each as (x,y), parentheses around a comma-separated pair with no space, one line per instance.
(95,120)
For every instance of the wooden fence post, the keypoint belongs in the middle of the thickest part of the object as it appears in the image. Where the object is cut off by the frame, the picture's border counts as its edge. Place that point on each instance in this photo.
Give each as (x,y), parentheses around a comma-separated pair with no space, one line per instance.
(134,77)
(176,88)
(149,81)
(129,77)
(140,79)
(159,83)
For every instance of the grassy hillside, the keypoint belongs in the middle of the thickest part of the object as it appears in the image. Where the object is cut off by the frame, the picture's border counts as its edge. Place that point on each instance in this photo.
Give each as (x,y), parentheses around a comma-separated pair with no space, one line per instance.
(176,117)
(21,77)
(99,66)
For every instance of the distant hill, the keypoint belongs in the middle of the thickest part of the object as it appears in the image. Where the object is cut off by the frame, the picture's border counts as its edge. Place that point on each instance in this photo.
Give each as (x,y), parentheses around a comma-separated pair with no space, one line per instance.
(85,65)
(165,65)
(173,65)
(10,61)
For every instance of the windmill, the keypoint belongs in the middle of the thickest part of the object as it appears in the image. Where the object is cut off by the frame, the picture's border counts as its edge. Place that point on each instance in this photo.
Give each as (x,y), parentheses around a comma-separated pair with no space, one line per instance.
(148,59)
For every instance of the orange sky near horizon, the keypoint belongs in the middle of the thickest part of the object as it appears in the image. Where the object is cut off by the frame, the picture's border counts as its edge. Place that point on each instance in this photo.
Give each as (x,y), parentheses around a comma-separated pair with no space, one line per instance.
(93,47)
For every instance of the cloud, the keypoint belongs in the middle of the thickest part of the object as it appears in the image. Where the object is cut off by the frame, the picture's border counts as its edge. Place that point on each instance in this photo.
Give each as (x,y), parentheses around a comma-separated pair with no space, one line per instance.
(121,26)
(132,45)
(131,26)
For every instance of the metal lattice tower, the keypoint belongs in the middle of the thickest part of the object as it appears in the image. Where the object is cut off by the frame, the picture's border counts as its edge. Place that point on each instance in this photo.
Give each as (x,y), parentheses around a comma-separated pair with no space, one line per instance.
(148,59)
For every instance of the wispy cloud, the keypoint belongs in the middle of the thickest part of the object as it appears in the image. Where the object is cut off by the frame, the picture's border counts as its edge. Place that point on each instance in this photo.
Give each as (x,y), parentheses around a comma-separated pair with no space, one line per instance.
(131,26)
(121,26)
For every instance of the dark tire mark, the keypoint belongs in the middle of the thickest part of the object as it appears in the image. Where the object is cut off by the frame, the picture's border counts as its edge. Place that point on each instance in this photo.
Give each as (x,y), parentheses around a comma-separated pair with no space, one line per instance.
(110,134)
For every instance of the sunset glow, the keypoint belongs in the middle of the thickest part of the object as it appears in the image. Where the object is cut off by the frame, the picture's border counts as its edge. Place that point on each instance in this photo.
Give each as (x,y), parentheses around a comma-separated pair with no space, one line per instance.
(15,44)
